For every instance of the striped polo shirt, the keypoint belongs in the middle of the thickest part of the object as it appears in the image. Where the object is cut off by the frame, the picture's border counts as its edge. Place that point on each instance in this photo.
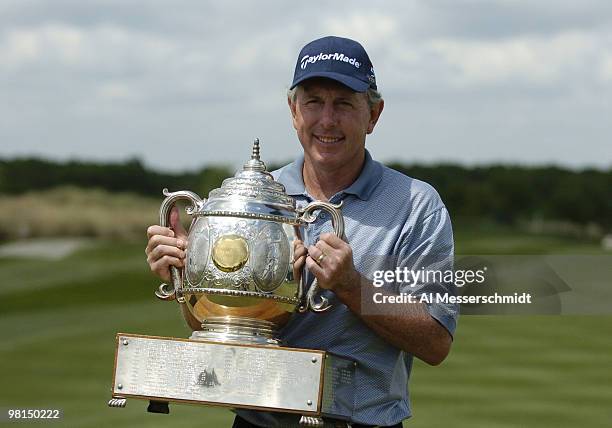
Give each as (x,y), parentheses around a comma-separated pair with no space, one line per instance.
(391,220)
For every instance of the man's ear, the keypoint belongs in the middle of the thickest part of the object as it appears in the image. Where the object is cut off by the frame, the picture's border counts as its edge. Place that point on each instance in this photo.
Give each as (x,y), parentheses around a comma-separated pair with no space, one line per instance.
(292,109)
(291,106)
(375,113)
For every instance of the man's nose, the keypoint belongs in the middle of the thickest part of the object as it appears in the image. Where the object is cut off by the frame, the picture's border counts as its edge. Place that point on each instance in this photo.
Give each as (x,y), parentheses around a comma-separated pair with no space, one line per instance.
(329,117)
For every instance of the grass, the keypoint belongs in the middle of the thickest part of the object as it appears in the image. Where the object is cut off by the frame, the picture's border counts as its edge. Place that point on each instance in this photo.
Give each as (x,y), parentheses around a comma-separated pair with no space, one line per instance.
(524,371)
(491,238)
(59,320)
(72,211)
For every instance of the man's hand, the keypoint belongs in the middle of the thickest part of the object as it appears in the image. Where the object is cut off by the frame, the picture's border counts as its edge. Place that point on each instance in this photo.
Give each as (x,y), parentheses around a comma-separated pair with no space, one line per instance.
(166,246)
(299,258)
(331,262)
(408,327)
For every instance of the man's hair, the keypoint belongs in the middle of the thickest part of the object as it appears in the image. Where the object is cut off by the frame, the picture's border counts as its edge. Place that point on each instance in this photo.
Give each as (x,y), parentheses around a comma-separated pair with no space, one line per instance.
(372,96)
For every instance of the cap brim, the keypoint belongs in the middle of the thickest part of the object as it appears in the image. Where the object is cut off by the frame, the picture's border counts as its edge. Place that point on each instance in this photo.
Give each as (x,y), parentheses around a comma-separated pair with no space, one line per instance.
(355,84)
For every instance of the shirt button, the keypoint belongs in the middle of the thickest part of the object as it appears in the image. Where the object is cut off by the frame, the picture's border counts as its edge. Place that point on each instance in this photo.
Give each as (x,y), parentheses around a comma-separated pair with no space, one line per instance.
(323,216)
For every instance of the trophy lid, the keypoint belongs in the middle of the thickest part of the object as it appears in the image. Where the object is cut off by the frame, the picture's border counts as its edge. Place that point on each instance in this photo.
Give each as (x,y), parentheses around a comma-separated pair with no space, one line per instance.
(252,192)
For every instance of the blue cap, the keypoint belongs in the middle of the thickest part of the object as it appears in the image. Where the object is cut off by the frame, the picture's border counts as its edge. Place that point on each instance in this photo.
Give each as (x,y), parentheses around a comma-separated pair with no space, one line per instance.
(337,58)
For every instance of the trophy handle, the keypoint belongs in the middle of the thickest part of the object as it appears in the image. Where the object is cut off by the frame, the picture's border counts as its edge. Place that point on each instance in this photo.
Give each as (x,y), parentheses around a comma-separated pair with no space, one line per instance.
(305,214)
(175,289)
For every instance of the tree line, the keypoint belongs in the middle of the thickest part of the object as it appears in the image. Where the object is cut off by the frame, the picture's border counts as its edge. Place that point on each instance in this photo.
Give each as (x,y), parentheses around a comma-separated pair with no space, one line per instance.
(510,193)
(19,176)
(502,193)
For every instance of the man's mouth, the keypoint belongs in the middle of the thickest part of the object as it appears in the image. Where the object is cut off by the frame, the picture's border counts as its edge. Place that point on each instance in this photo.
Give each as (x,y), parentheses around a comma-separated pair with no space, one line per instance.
(328,139)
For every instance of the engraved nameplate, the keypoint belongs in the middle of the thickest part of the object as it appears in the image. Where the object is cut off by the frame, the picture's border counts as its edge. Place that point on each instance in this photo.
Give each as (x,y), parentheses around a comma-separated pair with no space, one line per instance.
(270,378)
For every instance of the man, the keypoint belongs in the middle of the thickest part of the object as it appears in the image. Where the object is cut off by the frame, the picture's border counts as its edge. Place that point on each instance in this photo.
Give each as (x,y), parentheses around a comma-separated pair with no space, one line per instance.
(391,221)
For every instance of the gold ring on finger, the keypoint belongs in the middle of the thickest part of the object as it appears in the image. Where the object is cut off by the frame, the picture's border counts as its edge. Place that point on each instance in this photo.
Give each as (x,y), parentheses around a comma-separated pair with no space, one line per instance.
(320,258)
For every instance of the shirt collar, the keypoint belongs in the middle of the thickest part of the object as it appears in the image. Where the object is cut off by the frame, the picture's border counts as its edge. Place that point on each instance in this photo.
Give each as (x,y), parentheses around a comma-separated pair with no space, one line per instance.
(370,176)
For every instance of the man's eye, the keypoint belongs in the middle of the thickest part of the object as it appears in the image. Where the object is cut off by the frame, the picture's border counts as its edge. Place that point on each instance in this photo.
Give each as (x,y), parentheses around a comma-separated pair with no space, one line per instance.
(312,103)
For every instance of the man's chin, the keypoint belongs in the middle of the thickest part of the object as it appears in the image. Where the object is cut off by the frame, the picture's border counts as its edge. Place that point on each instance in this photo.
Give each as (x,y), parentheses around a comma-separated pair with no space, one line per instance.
(330,160)
(326,149)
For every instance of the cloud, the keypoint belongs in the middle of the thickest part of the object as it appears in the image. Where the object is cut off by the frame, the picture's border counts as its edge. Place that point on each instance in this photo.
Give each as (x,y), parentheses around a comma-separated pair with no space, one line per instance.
(605,71)
(536,60)
(129,77)
(98,48)
(565,61)
(114,91)
(371,28)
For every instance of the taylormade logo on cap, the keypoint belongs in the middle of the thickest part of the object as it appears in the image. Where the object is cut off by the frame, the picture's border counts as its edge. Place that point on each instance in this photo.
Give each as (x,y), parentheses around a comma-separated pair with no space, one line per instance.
(337,58)
(308,59)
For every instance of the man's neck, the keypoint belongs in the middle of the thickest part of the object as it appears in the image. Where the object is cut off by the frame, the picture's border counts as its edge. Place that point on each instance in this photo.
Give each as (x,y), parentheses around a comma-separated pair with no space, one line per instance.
(322,183)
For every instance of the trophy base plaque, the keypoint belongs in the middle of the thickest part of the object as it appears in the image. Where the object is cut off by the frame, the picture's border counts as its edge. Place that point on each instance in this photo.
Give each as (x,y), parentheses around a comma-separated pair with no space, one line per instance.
(261,377)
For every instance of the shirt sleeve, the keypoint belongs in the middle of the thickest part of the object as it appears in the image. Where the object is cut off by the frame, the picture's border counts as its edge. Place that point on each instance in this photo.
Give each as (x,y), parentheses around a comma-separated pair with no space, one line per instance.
(428,248)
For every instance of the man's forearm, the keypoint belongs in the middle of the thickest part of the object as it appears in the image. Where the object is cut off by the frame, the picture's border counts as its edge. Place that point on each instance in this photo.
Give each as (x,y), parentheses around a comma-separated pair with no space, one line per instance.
(407,326)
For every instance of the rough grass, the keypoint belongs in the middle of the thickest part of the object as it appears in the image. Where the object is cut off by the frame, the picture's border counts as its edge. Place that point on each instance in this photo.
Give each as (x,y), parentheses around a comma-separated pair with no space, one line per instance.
(72,211)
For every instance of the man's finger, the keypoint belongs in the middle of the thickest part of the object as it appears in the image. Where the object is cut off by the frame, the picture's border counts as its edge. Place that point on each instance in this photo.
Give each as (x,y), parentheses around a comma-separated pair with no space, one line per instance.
(299,264)
(313,267)
(325,248)
(159,230)
(157,240)
(163,264)
(313,252)
(166,250)
(317,255)
(300,252)
(332,239)
(175,224)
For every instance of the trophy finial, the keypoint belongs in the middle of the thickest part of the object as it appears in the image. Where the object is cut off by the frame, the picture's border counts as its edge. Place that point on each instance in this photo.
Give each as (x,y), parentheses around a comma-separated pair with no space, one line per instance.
(255,164)
(255,154)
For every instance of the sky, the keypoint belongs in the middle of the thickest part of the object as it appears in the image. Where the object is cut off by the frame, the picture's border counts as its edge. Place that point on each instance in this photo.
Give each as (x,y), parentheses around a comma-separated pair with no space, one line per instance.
(184,84)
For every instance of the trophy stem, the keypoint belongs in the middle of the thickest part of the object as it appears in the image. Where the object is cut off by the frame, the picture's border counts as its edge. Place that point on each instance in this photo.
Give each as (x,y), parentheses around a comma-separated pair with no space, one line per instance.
(241,330)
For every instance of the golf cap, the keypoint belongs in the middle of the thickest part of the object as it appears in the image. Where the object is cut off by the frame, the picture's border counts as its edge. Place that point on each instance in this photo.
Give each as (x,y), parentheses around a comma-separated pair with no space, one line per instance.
(337,58)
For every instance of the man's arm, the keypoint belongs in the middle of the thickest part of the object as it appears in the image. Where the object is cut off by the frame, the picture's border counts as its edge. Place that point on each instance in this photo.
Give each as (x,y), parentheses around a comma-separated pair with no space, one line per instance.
(408,326)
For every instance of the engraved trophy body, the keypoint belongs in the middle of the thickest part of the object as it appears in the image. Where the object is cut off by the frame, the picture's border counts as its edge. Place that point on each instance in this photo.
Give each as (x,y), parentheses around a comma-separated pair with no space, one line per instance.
(238,287)
(238,284)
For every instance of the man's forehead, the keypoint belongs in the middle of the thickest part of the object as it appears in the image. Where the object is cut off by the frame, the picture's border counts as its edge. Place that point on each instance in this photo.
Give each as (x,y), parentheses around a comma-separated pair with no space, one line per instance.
(312,86)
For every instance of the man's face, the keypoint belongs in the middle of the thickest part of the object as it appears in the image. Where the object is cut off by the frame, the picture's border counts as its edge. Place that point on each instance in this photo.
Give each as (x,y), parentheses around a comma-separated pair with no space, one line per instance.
(331,122)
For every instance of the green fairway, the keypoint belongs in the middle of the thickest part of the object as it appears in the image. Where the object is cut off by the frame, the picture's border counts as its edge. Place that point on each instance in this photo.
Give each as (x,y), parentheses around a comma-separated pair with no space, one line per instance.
(59,320)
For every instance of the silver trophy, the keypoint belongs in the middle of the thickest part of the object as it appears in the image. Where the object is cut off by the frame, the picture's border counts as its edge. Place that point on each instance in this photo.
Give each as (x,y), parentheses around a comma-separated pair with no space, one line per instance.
(237,289)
